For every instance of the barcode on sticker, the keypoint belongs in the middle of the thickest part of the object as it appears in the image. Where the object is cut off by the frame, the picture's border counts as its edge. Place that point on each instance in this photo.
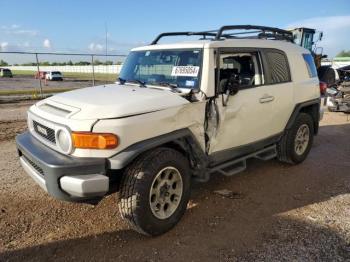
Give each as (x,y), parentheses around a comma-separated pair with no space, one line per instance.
(185,71)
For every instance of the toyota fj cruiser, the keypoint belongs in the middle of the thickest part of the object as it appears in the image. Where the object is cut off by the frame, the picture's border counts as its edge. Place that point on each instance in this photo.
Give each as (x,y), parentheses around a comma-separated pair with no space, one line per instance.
(178,112)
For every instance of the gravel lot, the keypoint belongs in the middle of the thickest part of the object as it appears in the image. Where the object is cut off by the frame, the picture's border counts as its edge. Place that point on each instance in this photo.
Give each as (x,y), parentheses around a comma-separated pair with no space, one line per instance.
(277,212)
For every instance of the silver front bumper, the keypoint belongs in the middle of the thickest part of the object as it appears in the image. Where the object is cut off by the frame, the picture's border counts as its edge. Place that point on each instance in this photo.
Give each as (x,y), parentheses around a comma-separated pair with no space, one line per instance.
(85,185)
(90,185)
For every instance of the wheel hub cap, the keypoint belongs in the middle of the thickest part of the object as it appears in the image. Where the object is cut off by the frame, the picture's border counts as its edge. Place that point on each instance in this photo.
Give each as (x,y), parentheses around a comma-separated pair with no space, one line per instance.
(166,192)
(302,138)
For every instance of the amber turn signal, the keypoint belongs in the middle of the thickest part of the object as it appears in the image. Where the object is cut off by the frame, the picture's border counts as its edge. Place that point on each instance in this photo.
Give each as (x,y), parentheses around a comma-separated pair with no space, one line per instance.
(90,140)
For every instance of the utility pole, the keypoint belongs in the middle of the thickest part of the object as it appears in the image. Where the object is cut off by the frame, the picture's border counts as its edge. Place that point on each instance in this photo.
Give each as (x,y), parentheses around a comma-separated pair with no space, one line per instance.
(39,76)
(93,70)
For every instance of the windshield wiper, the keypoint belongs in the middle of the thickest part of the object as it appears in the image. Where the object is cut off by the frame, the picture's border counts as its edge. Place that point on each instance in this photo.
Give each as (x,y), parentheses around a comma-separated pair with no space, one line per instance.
(123,81)
(173,87)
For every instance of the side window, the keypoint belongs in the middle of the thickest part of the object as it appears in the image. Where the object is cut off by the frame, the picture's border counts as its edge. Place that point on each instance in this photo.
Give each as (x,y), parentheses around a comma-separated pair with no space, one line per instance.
(242,68)
(310,64)
(278,67)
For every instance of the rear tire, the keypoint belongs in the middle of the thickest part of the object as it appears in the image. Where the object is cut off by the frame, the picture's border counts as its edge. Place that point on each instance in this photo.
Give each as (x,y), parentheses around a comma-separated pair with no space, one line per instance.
(296,142)
(155,190)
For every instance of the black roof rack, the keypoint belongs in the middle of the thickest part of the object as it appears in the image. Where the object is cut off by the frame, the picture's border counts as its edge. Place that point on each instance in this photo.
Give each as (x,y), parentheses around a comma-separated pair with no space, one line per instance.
(261,32)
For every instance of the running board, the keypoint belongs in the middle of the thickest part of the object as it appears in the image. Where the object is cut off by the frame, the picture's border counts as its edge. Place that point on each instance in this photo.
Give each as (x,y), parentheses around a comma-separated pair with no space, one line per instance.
(238,165)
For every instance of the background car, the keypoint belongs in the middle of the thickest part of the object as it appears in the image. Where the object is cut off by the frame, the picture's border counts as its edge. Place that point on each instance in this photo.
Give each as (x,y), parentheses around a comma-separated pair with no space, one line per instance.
(5,72)
(54,75)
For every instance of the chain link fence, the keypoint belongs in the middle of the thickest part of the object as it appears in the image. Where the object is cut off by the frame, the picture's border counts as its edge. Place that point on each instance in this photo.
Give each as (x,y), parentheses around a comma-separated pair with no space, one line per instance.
(36,75)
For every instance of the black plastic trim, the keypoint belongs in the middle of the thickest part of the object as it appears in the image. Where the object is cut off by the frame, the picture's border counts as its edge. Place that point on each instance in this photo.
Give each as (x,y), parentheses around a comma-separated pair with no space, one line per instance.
(184,138)
(315,112)
(232,153)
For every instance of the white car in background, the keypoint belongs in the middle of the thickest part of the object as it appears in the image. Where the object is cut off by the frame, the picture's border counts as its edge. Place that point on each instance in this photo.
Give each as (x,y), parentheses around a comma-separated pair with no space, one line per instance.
(54,75)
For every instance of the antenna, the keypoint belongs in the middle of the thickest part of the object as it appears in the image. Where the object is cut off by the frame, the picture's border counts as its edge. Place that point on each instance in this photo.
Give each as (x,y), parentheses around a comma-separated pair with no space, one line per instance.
(106,44)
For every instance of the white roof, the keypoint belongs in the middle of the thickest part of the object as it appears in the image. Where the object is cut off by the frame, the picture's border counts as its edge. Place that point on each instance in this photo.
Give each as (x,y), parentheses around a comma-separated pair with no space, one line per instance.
(262,43)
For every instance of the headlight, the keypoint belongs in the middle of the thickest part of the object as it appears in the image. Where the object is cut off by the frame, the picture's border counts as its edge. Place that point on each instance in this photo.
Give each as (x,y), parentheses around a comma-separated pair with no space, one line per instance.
(64,140)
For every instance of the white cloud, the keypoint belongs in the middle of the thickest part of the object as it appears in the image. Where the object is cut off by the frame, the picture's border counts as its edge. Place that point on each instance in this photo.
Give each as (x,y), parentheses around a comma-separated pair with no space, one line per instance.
(96,47)
(47,43)
(336,32)
(15,29)
(25,32)
(4,46)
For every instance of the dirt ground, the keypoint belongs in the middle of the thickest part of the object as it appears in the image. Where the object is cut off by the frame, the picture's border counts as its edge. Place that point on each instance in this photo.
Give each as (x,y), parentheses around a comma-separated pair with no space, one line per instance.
(278,212)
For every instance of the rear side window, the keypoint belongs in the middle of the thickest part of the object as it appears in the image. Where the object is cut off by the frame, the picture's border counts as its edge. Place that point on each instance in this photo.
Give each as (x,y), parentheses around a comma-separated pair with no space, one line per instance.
(278,67)
(310,64)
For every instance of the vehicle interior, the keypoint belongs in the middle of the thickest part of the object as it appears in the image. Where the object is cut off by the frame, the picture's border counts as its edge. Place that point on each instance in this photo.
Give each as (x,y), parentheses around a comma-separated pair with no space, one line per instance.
(241,68)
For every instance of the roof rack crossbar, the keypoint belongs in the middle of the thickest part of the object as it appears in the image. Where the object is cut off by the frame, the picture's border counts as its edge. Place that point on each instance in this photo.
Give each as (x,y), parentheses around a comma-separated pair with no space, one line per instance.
(282,34)
(263,32)
(204,34)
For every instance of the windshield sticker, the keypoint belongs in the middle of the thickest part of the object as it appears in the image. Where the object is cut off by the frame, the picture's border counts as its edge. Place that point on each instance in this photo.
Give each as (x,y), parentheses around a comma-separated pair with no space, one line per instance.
(185,71)
(190,82)
(147,53)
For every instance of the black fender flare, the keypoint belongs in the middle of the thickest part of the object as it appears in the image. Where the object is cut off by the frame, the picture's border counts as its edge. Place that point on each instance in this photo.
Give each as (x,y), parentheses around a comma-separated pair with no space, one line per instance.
(184,138)
(315,111)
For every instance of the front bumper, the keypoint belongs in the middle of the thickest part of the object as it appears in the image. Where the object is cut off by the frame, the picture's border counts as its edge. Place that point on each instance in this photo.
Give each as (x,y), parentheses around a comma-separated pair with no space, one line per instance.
(64,177)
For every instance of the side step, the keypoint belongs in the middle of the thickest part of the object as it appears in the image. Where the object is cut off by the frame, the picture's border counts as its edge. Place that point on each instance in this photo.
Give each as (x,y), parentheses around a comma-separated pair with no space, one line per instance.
(238,165)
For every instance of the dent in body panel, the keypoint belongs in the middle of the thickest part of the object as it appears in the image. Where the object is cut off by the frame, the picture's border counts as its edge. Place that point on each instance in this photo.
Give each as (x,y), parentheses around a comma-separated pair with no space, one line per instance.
(134,129)
(193,115)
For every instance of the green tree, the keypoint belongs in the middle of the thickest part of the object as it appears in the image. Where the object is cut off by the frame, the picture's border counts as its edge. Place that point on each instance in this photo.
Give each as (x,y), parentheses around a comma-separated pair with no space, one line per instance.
(343,53)
(3,63)
(98,62)
(82,63)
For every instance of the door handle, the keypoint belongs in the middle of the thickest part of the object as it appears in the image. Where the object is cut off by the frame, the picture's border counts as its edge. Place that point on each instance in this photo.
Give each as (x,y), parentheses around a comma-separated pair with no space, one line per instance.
(266,99)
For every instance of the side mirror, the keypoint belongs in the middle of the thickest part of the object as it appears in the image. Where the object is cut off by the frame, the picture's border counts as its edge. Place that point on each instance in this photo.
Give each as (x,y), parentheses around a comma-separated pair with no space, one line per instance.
(228,86)
(320,36)
(232,85)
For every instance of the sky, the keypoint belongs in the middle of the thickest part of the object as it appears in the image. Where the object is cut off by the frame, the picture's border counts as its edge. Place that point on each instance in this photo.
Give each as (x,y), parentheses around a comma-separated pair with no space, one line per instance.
(79,25)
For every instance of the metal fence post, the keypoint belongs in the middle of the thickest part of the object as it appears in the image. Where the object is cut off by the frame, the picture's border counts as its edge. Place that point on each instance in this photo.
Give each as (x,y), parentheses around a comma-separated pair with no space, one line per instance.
(93,70)
(37,65)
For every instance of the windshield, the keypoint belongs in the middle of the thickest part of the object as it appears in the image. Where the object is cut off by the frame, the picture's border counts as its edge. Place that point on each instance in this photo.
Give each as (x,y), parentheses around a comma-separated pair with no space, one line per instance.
(181,68)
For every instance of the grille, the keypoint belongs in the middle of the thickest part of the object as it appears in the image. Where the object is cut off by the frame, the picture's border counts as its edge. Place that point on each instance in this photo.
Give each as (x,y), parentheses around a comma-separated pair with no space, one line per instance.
(35,166)
(44,131)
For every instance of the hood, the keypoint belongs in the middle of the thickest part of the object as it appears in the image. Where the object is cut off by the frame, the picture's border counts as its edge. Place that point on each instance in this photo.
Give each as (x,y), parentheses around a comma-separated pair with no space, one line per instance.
(114,101)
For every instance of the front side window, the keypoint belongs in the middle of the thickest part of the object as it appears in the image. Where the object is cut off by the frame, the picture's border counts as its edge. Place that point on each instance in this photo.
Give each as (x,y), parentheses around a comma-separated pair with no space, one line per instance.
(310,64)
(243,68)
(181,68)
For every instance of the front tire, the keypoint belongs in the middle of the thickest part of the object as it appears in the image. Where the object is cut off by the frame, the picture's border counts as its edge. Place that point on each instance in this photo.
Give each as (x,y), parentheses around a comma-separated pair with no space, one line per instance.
(155,190)
(296,142)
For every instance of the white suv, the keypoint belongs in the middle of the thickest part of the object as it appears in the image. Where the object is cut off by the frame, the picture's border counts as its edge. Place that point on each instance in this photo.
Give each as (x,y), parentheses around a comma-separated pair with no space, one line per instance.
(54,75)
(179,111)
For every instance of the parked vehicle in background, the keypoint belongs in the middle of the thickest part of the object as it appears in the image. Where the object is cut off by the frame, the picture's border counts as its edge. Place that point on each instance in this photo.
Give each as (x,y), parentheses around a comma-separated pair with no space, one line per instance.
(5,72)
(180,111)
(40,74)
(306,37)
(54,75)
(338,97)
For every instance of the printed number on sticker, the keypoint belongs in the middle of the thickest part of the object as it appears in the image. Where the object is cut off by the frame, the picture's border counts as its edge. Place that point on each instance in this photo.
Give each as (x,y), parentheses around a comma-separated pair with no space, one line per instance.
(185,71)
